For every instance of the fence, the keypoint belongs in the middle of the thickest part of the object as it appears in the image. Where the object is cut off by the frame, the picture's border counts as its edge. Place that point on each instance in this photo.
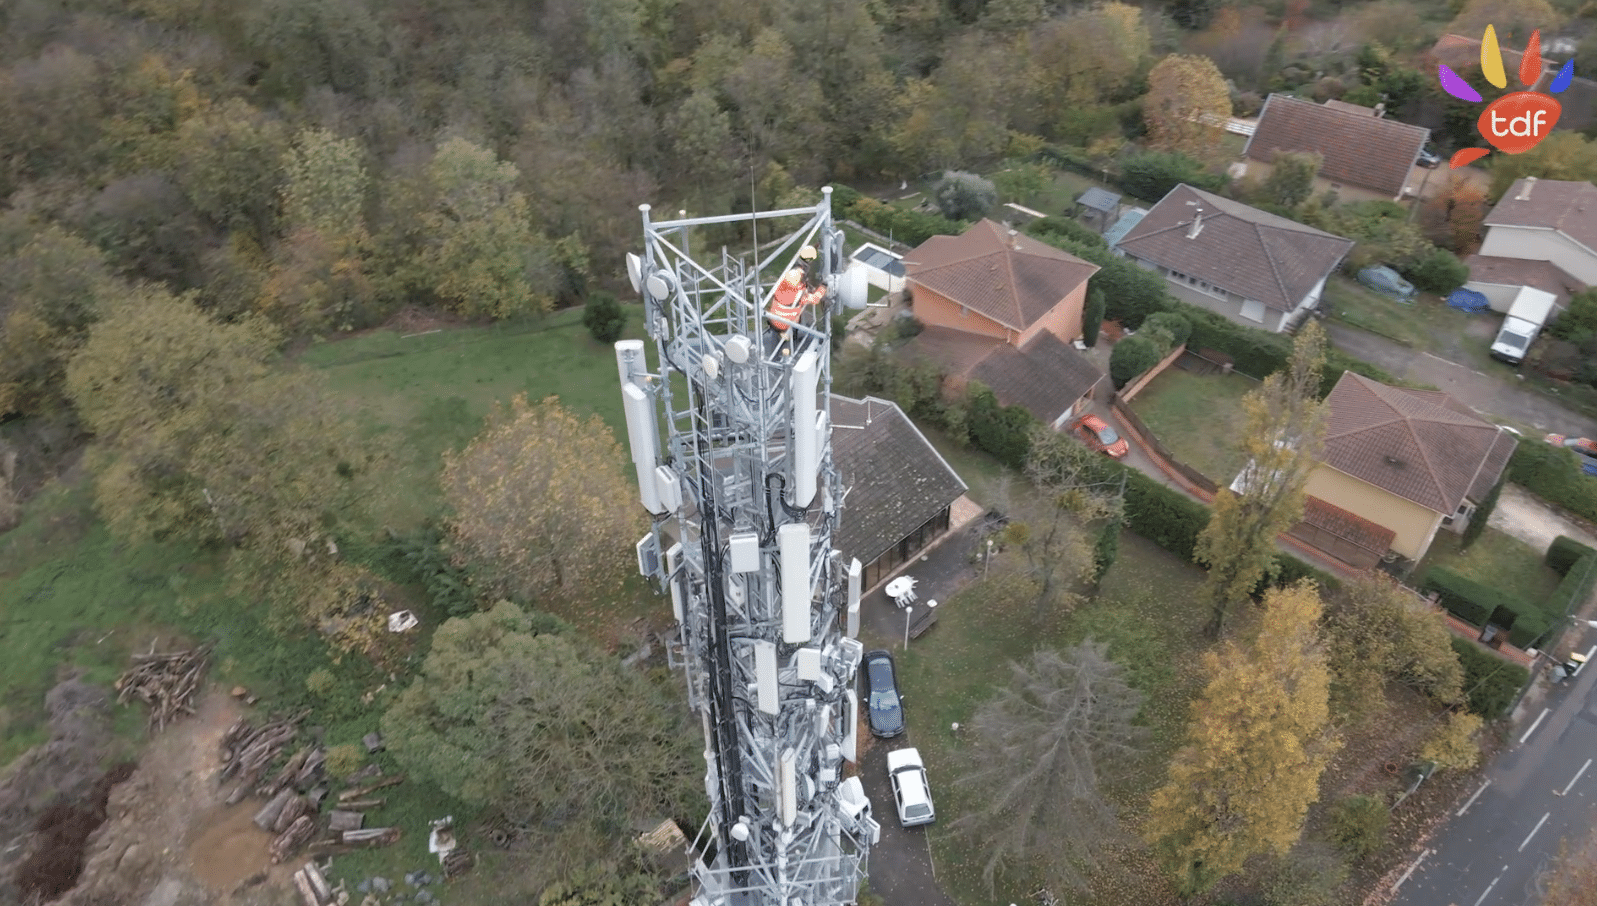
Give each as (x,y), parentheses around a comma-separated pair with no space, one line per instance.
(1130,391)
(1129,419)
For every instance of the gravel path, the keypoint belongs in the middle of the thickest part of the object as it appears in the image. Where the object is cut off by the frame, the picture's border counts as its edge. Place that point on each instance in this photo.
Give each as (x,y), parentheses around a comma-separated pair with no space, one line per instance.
(1534,522)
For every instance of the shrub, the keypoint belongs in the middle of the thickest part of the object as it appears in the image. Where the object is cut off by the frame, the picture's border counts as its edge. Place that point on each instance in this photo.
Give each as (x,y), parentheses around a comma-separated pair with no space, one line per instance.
(1465,598)
(603,317)
(1575,588)
(1177,327)
(1289,570)
(1564,552)
(1132,357)
(1151,175)
(1106,549)
(344,760)
(1578,323)
(964,196)
(1452,745)
(1552,473)
(910,227)
(1003,431)
(1491,682)
(1436,271)
(1163,514)
(1482,514)
(1092,317)
(1358,824)
(1049,229)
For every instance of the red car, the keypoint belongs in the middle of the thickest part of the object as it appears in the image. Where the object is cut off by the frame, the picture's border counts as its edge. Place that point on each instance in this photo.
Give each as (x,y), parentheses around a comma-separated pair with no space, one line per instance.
(1099,436)
(1581,445)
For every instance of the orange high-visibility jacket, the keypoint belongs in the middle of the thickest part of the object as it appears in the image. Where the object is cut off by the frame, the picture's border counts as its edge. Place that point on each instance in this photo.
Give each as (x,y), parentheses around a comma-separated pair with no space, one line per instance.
(790,298)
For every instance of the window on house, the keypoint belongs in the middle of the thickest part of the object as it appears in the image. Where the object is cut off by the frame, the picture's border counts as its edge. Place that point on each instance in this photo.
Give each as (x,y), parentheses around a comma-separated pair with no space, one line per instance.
(1253,311)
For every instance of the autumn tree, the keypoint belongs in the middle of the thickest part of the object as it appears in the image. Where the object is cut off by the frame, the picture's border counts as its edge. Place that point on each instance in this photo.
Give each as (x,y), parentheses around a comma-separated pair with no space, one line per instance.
(1452,744)
(1040,747)
(1187,106)
(229,163)
(1081,61)
(483,259)
(1049,522)
(1285,429)
(1571,880)
(1378,632)
(325,185)
(1291,179)
(1452,219)
(515,711)
(541,505)
(52,290)
(1257,743)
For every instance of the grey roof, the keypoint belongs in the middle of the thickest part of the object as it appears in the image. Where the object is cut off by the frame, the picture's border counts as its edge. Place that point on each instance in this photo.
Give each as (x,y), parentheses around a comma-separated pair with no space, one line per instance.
(1099,200)
(885,262)
(1045,377)
(1241,249)
(896,480)
(1124,225)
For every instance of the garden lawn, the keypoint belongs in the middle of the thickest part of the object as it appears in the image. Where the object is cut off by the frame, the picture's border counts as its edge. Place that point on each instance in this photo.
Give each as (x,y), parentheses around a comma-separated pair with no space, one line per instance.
(1498,560)
(1058,199)
(1427,324)
(1198,419)
(1142,611)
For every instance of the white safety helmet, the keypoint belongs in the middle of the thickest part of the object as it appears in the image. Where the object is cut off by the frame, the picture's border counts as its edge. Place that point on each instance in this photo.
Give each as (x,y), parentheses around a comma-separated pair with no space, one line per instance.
(807,253)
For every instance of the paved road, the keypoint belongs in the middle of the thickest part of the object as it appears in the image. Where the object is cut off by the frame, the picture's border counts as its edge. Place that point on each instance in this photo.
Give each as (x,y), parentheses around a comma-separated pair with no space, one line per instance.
(1540,792)
(1489,393)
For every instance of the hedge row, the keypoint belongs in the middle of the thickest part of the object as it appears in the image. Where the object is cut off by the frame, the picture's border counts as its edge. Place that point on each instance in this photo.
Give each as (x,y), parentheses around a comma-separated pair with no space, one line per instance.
(1491,683)
(1564,552)
(1576,587)
(906,226)
(1553,474)
(1476,603)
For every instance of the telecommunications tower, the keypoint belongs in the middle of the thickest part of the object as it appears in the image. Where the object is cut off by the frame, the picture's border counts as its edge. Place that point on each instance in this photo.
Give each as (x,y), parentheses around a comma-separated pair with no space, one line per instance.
(745,502)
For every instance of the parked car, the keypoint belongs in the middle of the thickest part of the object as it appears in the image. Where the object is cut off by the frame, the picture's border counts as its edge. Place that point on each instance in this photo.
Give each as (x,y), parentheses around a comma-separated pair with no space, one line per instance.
(1096,433)
(911,792)
(1387,282)
(1585,450)
(1428,159)
(886,710)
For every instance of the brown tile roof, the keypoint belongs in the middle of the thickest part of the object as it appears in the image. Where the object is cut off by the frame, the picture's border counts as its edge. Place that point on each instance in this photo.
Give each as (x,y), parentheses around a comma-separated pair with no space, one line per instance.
(1045,377)
(1543,275)
(1553,204)
(896,480)
(1359,109)
(1358,149)
(1013,279)
(1579,101)
(1421,445)
(1349,526)
(1241,249)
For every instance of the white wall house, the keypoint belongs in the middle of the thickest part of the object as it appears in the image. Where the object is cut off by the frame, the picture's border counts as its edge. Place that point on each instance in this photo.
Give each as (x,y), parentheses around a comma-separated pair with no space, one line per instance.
(1546,220)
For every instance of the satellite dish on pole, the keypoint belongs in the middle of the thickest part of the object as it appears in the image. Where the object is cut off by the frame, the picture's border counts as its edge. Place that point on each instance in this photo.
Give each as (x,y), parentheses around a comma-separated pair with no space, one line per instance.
(635,272)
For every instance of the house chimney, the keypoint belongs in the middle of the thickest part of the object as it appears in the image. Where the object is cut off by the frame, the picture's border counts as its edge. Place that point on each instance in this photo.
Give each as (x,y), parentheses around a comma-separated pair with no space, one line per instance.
(1197,224)
(1014,240)
(1380,110)
(1524,192)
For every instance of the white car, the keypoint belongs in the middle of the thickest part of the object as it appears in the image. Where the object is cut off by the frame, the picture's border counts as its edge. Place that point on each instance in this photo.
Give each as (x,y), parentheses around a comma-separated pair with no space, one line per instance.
(910,790)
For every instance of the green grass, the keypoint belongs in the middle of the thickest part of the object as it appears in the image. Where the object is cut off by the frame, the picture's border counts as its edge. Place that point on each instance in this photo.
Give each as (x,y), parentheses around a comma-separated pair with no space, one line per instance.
(1142,611)
(1059,197)
(983,474)
(1198,419)
(1497,560)
(1428,324)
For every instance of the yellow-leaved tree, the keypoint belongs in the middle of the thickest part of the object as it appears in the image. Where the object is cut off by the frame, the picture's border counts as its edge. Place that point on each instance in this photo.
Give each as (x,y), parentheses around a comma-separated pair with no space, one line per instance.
(1186,106)
(541,503)
(1257,743)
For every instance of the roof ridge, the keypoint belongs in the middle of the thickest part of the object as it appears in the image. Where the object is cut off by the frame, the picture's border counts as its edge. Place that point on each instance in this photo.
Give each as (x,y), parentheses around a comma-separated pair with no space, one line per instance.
(1430,468)
(1269,255)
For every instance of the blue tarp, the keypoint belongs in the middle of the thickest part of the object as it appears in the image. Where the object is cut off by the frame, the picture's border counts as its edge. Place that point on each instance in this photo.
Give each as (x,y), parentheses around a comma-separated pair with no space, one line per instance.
(1467,300)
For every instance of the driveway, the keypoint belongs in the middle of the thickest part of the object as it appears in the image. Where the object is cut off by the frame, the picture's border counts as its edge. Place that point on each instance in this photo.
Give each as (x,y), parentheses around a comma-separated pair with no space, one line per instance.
(1532,521)
(1488,394)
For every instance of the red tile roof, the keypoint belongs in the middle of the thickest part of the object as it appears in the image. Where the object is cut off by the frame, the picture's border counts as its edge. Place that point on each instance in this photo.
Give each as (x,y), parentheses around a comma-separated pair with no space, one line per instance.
(1551,204)
(1421,445)
(1045,377)
(1357,149)
(1238,248)
(1007,276)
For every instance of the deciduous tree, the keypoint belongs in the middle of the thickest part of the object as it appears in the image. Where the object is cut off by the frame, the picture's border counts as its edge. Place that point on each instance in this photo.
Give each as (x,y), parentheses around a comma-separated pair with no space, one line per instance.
(1379,632)
(325,188)
(52,290)
(484,259)
(1452,745)
(964,196)
(1284,432)
(1291,180)
(1452,219)
(1186,106)
(1562,155)
(1257,743)
(541,504)
(517,712)
(1513,20)
(229,160)
(1042,744)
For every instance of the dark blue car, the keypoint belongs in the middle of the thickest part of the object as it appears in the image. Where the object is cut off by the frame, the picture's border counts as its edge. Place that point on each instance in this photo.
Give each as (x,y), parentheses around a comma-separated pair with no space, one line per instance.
(881,688)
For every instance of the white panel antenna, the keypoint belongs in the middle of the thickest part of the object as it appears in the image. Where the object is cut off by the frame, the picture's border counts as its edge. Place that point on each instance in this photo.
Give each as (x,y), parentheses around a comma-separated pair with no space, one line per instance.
(808,662)
(787,785)
(856,577)
(744,552)
(806,378)
(668,488)
(851,728)
(673,561)
(793,541)
(641,432)
(765,670)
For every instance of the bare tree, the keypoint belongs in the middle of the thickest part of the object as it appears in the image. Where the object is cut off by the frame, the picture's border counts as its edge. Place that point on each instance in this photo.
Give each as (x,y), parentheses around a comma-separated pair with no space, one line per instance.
(1041,745)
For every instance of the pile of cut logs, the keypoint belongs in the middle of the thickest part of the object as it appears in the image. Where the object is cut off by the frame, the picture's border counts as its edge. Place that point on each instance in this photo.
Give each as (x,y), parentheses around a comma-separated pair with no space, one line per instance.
(166,682)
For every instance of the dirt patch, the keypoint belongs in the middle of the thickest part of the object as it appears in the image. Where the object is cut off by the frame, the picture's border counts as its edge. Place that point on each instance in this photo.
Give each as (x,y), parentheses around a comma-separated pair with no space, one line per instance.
(229,849)
(61,835)
(1523,516)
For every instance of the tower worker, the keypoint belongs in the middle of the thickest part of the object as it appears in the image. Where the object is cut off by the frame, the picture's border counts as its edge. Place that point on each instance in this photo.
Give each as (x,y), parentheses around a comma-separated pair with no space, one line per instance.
(799,287)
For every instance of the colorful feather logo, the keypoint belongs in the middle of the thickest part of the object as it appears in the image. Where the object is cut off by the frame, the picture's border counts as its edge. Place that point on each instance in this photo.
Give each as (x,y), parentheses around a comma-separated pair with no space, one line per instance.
(1516,122)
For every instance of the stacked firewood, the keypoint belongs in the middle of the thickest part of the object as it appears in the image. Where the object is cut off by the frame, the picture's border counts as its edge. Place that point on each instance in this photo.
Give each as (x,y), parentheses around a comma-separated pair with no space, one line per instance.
(166,682)
(247,751)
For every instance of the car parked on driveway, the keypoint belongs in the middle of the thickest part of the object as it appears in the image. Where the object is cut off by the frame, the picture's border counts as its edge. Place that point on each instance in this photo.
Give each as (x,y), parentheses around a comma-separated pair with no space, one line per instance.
(1387,282)
(1096,433)
(886,711)
(911,793)
(1428,159)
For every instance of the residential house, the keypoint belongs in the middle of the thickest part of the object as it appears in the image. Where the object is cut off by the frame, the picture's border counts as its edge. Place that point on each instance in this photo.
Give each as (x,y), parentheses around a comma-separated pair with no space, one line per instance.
(1002,308)
(1399,466)
(899,491)
(1541,221)
(1363,156)
(1579,100)
(1251,266)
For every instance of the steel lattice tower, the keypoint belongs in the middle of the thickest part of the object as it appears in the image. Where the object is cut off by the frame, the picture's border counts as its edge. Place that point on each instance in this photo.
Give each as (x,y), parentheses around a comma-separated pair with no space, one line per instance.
(745,500)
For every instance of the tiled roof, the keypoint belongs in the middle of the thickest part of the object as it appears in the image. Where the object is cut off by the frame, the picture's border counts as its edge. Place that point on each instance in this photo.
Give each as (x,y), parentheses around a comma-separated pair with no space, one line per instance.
(1099,200)
(1359,109)
(1553,204)
(1357,149)
(1045,377)
(1543,275)
(1354,528)
(896,480)
(1579,100)
(1254,254)
(1421,445)
(1012,279)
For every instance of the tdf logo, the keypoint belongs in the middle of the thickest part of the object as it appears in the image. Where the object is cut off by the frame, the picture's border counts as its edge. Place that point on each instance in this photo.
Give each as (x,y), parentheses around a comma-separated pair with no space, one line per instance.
(1514,123)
